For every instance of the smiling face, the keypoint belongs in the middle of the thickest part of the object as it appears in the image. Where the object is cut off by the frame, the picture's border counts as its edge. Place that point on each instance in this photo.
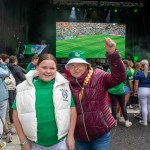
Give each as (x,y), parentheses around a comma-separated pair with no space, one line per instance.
(46,68)
(77,69)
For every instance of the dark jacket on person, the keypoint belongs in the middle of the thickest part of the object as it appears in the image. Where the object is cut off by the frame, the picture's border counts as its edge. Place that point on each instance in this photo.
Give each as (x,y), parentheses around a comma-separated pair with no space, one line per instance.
(93,114)
(17,72)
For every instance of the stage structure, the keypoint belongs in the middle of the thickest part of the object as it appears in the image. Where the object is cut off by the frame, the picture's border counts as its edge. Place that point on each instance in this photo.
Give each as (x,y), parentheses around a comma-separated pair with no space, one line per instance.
(98,3)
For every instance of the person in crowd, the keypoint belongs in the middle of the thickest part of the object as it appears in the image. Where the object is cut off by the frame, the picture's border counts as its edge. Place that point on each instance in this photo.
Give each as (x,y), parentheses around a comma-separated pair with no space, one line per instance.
(44,110)
(32,64)
(131,101)
(4,72)
(142,89)
(128,86)
(89,88)
(137,68)
(98,64)
(117,94)
(11,86)
(16,70)
(131,65)
(5,58)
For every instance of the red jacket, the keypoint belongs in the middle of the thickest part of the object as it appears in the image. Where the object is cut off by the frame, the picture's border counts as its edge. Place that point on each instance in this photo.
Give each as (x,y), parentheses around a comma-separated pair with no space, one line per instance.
(93,115)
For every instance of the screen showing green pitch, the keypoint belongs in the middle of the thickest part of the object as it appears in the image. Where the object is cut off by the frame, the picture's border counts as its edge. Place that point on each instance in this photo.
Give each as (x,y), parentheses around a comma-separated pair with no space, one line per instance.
(88,37)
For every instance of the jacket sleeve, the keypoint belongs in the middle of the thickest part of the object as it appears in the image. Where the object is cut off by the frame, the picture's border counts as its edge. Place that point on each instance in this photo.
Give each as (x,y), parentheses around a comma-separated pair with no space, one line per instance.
(21,76)
(19,73)
(117,74)
(4,71)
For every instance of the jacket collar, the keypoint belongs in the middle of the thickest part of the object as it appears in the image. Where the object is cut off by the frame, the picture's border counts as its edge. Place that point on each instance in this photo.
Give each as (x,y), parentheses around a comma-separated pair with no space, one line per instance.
(59,79)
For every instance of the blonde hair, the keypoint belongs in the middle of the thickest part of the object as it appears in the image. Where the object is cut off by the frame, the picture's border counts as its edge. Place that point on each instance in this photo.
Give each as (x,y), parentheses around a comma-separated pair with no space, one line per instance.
(144,63)
(86,80)
(131,63)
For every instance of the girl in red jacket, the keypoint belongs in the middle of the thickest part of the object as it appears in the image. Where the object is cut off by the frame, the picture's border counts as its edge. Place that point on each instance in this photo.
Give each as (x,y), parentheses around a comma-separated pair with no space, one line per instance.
(89,88)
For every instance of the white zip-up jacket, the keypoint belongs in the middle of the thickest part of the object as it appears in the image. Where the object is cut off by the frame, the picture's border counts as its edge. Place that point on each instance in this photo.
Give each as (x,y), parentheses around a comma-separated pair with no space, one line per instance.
(25,102)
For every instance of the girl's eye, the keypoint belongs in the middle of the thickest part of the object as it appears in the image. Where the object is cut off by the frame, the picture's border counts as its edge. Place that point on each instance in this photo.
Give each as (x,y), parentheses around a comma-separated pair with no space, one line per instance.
(49,68)
(44,67)
(52,68)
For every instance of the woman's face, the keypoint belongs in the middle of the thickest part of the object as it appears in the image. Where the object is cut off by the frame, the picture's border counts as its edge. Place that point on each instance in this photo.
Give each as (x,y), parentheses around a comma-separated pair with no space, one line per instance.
(77,69)
(46,70)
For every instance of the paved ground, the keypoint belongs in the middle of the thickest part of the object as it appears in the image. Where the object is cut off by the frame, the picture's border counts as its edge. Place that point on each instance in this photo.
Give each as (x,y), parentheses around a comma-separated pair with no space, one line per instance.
(137,137)
(14,145)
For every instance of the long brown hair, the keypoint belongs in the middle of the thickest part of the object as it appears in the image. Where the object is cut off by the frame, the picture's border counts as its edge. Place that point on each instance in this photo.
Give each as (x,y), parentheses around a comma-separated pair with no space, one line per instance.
(46,57)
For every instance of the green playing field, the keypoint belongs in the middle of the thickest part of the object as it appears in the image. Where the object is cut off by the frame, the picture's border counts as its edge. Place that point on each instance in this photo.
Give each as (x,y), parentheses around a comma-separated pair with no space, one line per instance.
(92,45)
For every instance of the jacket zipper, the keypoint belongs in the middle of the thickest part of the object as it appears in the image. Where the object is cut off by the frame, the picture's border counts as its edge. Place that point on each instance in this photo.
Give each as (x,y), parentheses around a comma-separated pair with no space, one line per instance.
(83,114)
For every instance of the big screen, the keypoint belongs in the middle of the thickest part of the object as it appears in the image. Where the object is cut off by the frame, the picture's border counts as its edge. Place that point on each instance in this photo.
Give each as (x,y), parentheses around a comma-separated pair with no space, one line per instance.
(88,37)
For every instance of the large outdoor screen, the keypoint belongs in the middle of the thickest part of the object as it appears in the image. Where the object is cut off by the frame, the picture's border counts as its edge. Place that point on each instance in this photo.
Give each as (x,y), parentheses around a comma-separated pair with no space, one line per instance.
(88,37)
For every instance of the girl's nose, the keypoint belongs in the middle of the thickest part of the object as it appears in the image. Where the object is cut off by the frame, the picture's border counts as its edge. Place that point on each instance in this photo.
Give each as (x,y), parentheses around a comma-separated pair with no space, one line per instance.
(48,70)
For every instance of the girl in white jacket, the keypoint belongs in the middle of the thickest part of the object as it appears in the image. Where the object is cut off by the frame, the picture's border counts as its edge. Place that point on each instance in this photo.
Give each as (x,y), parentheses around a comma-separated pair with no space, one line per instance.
(44,113)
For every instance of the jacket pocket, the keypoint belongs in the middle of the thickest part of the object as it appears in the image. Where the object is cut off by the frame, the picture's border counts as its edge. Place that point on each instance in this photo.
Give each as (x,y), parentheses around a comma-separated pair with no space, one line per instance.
(103,121)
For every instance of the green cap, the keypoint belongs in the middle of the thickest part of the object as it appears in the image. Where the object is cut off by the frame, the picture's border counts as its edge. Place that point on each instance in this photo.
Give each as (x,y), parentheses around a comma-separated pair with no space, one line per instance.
(77,54)
(76,57)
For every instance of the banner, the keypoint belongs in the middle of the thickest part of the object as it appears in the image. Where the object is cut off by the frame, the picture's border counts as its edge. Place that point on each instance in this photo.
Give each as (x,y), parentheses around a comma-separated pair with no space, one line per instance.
(33,49)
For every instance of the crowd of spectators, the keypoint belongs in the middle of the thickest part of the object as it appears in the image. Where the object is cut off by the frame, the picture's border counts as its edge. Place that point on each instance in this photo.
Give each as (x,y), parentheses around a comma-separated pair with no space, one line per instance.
(66,30)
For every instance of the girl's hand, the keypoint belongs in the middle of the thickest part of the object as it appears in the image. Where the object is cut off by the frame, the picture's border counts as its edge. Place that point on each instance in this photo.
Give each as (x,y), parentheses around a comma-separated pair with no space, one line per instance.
(70,142)
(26,146)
